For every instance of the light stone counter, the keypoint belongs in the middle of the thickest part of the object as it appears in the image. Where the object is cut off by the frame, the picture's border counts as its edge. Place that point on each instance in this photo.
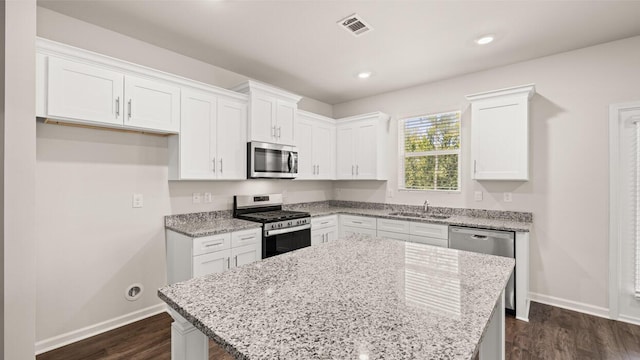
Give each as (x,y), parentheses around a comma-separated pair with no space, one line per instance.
(354,298)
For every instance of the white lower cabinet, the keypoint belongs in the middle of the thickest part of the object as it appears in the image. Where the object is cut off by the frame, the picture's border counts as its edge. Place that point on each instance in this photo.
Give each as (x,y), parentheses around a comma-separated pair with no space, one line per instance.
(351,224)
(189,257)
(418,232)
(324,229)
(351,230)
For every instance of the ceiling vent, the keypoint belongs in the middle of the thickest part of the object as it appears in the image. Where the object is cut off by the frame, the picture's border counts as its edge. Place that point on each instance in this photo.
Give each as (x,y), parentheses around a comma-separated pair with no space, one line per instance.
(355,25)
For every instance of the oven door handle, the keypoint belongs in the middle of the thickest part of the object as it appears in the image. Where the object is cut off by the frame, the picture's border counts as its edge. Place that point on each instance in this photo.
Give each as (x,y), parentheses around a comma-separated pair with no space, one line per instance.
(268,233)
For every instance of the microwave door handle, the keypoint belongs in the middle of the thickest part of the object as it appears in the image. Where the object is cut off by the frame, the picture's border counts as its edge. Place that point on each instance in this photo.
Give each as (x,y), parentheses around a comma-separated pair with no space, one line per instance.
(290,161)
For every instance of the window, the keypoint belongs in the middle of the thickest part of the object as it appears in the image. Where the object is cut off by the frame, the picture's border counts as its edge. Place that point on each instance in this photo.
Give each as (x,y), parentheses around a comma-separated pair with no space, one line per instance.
(429,149)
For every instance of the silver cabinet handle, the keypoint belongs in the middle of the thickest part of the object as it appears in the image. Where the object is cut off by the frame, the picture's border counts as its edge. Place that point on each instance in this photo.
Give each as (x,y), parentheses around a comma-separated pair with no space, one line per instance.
(352,170)
(318,169)
(474,166)
(357,169)
(273,131)
(247,238)
(279,131)
(221,165)
(323,238)
(357,222)
(324,222)
(129,109)
(236,260)
(228,263)
(214,244)
(118,107)
(214,164)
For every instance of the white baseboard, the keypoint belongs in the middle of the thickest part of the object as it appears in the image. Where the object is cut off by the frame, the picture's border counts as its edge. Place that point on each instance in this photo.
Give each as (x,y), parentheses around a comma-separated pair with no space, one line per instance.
(570,305)
(55,342)
(629,319)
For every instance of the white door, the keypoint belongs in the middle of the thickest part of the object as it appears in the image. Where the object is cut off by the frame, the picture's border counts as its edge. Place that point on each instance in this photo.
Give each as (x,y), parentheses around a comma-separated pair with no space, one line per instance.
(197,137)
(245,254)
(263,118)
(286,118)
(151,104)
(231,138)
(305,138)
(84,93)
(211,263)
(317,237)
(323,151)
(345,167)
(366,151)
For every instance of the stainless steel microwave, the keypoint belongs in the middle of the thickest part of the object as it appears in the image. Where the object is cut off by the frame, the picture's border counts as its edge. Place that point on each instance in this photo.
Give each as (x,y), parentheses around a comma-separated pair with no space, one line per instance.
(266,160)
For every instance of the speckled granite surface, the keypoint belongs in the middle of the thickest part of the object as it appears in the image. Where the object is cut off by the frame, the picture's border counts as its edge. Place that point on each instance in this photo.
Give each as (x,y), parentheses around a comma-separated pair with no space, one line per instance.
(491,220)
(207,223)
(353,298)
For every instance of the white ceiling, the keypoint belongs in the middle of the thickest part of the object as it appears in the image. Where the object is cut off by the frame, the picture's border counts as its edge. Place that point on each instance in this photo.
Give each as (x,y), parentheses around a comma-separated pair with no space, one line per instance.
(298,46)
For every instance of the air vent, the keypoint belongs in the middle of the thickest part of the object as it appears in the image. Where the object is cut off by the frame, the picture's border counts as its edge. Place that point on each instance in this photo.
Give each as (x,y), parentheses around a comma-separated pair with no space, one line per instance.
(355,25)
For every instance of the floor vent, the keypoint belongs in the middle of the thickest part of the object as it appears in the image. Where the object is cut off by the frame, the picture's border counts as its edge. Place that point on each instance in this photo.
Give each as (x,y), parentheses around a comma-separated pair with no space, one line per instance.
(355,25)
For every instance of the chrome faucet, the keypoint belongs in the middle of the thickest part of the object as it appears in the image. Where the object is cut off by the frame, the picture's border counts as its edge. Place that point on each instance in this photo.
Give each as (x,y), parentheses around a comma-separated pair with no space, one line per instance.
(425,207)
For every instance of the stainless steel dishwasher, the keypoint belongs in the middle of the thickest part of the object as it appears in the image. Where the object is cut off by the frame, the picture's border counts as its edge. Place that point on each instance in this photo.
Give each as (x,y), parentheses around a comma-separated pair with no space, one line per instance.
(494,242)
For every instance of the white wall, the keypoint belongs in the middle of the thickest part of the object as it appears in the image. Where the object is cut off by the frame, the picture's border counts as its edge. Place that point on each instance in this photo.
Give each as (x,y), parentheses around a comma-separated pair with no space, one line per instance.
(91,243)
(568,191)
(18,176)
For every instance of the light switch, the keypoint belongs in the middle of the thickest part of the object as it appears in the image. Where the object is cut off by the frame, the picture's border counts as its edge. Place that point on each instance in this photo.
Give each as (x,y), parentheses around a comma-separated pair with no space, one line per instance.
(207,197)
(138,200)
(477,196)
(197,198)
(507,197)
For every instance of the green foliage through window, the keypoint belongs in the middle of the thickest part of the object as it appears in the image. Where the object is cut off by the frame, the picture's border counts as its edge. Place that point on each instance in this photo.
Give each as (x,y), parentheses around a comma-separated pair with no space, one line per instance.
(431,151)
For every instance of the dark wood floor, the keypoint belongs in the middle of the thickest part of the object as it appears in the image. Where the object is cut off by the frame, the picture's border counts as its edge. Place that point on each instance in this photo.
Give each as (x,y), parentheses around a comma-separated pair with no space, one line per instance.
(552,333)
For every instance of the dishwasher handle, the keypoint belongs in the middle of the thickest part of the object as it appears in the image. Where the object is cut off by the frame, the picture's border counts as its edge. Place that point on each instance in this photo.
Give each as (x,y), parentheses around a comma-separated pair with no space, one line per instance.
(479,237)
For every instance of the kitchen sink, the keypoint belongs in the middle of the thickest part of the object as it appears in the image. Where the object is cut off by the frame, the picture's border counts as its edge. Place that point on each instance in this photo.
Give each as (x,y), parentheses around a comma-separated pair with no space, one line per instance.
(420,215)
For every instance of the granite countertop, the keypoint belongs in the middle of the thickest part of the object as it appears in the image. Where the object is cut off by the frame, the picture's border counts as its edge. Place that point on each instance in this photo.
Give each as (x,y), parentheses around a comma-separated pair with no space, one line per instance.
(358,297)
(457,220)
(207,223)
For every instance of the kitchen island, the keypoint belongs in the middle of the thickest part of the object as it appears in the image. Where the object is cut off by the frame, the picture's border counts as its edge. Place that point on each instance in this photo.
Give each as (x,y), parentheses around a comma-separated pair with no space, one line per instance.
(355,298)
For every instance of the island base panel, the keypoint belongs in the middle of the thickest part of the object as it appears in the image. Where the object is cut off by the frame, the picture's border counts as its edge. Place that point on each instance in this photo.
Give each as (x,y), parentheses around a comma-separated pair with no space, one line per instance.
(187,342)
(492,345)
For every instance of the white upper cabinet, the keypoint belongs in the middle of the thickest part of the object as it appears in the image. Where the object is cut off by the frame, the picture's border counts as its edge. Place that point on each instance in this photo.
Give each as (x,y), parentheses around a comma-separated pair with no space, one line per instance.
(361,143)
(212,141)
(272,113)
(500,133)
(315,139)
(151,104)
(78,91)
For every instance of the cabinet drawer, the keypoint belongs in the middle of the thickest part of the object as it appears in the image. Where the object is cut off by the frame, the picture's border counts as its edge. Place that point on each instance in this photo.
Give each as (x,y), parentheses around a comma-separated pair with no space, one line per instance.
(324,221)
(429,230)
(396,226)
(393,235)
(350,230)
(246,237)
(208,244)
(212,263)
(429,241)
(358,221)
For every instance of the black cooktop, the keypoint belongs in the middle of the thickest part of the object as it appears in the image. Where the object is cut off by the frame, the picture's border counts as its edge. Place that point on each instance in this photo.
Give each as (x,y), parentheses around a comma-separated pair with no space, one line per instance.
(271,216)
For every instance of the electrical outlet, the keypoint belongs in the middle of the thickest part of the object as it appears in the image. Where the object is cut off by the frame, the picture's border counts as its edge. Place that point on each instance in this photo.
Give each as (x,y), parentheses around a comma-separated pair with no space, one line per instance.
(207,197)
(477,196)
(197,198)
(138,200)
(507,197)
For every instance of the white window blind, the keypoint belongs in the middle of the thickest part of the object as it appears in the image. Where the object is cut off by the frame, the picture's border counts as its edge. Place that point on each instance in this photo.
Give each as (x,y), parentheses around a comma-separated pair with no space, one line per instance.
(636,194)
(429,148)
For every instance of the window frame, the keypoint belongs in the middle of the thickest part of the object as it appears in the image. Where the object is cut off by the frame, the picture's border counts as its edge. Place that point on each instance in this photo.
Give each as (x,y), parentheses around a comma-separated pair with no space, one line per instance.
(401,153)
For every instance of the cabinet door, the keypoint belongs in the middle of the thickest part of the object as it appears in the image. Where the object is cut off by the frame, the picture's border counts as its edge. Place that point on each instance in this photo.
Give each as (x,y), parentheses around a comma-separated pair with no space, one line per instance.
(285,123)
(393,235)
(305,138)
(263,118)
(211,263)
(345,167)
(317,237)
(429,241)
(499,139)
(152,105)
(331,234)
(197,137)
(231,141)
(366,151)
(324,151)
(246,254)
(84,93)
(350,230)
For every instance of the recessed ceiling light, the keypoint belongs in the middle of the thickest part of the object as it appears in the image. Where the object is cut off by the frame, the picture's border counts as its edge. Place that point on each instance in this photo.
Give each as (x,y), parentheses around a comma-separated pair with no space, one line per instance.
(485,39)
(364,74)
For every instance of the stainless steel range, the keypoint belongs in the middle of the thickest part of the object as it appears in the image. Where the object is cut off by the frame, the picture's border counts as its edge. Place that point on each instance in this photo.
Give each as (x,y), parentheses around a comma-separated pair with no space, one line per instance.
(282,230)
